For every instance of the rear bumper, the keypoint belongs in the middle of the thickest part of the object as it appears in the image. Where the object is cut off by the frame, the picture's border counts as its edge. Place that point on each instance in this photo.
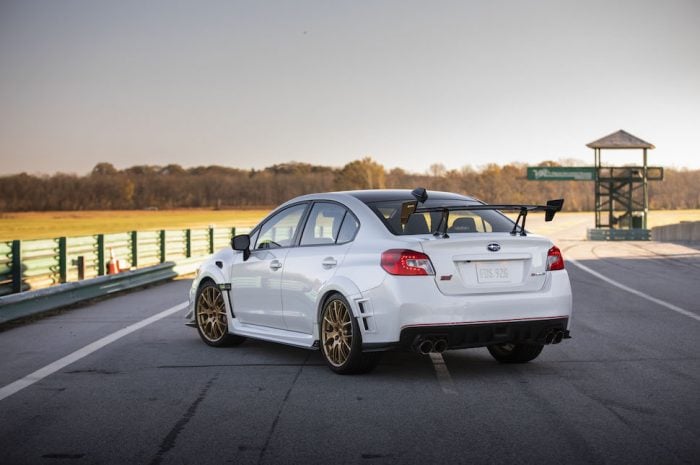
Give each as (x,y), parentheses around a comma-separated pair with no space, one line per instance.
(404,306)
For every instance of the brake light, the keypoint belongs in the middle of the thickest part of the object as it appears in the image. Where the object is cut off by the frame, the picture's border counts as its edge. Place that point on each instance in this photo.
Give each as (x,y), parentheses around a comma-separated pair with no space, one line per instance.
(555,261)
(403,262)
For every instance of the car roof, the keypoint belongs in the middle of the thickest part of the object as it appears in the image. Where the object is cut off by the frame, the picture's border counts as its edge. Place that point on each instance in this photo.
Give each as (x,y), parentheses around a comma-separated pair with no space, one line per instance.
(378,195)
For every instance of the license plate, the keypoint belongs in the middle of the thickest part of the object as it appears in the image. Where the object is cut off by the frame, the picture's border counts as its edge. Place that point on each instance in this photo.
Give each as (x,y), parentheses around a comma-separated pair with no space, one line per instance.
(493,272)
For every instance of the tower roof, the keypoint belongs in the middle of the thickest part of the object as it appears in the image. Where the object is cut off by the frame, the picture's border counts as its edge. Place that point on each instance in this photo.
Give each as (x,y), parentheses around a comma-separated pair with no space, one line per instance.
(620,140)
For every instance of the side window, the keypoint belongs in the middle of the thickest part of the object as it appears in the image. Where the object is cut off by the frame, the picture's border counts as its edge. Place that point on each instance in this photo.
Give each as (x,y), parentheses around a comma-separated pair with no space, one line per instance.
(279,230)
(323,224)
(348,229)
(254,237)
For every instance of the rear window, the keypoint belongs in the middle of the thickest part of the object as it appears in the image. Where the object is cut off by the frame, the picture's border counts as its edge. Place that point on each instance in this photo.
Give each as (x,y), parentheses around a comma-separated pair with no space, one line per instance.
(460,221)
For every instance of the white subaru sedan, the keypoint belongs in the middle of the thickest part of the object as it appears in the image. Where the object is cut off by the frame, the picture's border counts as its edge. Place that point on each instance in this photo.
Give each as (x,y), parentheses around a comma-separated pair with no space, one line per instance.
(356,273)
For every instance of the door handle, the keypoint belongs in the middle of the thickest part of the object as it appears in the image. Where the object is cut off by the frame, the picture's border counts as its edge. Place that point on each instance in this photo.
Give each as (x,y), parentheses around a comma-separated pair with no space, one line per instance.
(329,262)
(275,265)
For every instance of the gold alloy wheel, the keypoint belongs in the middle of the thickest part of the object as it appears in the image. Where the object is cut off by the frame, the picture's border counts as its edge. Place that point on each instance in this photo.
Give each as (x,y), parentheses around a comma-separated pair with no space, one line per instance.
(336,334)
(211,314)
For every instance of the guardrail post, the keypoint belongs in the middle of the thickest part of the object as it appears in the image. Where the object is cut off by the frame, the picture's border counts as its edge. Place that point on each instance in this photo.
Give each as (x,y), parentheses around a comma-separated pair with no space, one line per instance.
(188,243)
(80,263)
(211,239)
(162,245)
(100,255)
(16,266)
(62,260)
(233,232)
(134,249)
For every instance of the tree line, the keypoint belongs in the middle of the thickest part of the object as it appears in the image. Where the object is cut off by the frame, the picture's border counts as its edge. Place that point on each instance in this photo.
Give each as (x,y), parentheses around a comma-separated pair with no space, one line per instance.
(172,186)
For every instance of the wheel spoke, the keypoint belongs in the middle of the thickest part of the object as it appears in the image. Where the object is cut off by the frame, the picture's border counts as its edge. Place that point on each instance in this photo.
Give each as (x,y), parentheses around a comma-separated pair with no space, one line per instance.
(205,296)
(336,354)
(211,314)
(336,312)
(336,332)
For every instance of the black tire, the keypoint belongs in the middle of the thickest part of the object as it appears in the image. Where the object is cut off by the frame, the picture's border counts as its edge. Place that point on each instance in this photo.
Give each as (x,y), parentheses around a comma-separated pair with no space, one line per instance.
(342,357)
(515,353)
(211,317)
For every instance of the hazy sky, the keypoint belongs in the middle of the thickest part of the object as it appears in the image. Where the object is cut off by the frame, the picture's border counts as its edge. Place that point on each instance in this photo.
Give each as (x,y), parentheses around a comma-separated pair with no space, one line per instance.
(409,83)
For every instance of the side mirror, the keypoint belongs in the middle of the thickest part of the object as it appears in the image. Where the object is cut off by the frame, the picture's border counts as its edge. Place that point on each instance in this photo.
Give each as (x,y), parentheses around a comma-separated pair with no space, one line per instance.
(242,243)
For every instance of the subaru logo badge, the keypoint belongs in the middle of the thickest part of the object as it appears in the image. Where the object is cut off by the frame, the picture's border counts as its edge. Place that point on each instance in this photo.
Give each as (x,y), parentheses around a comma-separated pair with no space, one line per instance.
(493,247)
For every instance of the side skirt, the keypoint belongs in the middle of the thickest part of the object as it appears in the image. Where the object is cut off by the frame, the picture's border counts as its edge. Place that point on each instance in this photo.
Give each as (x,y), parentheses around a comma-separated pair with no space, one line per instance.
(281,336)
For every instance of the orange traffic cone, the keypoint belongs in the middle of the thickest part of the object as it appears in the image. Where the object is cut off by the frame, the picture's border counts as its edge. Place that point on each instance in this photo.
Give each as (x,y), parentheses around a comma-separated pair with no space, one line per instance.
(113,263)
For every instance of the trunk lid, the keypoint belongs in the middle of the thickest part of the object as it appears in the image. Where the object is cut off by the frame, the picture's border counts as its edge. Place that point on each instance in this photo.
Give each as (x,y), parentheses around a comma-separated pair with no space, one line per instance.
(488,263)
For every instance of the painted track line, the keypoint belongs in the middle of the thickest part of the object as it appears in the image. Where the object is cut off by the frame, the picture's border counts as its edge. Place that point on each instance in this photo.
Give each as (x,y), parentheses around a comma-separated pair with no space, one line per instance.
(61,363)
(442,373)
(641,294)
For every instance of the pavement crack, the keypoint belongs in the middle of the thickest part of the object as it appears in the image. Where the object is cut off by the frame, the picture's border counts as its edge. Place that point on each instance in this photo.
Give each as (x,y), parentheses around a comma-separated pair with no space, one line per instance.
(376,456)
(95,371)
(63,456)
(279,412)
(169,440)
(242,365)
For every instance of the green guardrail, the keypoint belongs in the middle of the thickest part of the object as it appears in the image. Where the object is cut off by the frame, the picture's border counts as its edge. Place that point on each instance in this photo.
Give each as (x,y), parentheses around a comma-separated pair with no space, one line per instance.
(29,303)
(37,264)
(41,275)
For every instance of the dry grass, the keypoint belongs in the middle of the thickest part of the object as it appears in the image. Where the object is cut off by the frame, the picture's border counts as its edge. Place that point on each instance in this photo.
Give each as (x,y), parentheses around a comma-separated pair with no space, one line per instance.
(663,217)
(44,225)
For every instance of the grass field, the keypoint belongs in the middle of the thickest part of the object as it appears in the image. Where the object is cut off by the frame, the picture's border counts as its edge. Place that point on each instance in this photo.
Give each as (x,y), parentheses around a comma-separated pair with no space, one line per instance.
(662,217)
(44,225)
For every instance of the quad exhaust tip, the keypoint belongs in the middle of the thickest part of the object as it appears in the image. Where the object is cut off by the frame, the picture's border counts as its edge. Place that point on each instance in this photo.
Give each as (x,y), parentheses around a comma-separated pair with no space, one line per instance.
(558,337)
(440,346)
(554,337)
(426,346)
(549,337)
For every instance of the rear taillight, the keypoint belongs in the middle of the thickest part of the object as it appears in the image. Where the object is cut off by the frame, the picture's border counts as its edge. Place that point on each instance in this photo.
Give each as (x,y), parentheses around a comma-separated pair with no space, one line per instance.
(554,259)
(402,262)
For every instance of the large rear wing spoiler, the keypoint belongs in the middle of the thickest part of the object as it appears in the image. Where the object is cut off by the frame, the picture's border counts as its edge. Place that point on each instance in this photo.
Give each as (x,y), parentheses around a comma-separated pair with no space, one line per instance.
(410,207)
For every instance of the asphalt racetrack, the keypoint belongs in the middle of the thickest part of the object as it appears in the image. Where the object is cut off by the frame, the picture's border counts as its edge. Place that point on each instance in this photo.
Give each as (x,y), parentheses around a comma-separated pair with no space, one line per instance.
(624,390)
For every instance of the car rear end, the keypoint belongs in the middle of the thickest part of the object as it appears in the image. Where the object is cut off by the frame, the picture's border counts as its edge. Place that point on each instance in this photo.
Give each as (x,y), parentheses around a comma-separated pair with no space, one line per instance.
(473,286)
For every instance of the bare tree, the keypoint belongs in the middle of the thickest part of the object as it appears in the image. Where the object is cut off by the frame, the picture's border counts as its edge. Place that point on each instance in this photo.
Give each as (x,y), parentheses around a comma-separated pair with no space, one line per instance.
(172,186)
